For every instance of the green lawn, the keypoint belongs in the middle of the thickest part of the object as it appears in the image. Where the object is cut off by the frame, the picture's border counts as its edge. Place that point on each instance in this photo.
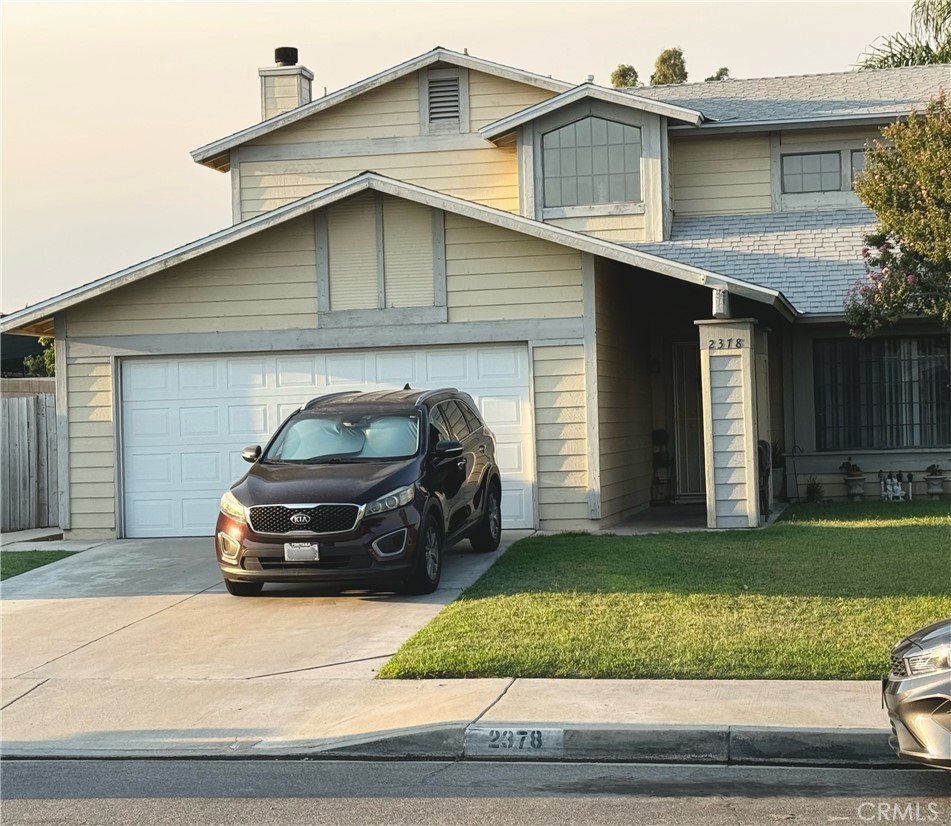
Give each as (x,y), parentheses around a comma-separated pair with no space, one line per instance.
(822,594)
(19,562)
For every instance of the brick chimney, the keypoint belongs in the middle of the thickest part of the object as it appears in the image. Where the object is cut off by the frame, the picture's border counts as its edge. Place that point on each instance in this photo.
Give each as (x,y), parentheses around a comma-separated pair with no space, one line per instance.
(284,86)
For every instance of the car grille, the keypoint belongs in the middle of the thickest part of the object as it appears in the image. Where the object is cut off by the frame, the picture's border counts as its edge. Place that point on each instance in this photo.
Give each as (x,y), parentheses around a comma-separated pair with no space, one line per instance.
(898,667)
(276,519)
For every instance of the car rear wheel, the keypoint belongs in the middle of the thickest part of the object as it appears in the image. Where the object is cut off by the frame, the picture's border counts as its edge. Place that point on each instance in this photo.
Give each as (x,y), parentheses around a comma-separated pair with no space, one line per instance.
(487,536)
(428,569)
(243,589)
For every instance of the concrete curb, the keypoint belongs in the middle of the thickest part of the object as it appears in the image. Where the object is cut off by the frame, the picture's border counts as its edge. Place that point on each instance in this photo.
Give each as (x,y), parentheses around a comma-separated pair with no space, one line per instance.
(646,743)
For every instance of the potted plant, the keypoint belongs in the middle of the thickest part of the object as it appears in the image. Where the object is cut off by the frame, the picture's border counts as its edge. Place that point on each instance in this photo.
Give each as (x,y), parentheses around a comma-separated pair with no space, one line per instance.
(854,480)
(934,479)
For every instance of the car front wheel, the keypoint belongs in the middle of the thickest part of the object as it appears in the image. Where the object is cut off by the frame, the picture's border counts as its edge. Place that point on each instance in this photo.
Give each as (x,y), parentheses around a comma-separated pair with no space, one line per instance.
(428,569)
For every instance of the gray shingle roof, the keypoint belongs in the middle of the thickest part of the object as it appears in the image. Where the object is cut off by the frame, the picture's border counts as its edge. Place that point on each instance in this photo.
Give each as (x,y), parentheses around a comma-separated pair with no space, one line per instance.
(813,258)
(884,92)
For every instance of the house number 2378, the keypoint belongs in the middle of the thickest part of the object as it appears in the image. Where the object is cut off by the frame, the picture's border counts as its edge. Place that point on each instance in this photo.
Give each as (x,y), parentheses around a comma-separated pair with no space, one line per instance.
(724,343)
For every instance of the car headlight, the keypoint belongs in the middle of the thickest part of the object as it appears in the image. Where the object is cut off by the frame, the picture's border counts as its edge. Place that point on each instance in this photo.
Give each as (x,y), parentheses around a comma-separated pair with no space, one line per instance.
(929,661)
(392,501)
(230,506)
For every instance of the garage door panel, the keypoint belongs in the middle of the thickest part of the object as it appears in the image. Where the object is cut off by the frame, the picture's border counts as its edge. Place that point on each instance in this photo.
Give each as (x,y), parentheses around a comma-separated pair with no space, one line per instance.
(186,421)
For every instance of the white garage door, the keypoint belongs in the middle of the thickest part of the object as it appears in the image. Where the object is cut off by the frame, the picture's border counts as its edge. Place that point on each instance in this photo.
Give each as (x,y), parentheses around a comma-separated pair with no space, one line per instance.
(186,420)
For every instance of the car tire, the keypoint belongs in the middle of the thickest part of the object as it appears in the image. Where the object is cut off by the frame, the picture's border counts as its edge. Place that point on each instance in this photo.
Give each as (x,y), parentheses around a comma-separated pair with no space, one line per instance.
(486,537)
(243,589)
(428,569)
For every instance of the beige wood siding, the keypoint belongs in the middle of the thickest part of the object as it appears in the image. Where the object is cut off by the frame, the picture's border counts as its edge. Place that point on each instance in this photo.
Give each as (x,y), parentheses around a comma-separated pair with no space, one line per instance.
(266,282)
(280,94)
(495,274)
(92,488)
(407,253)
(391,111)
(492,98)
(488,176)
(619,228)
(624,398)
(720,176)
(561,437)
(805,137)
(351,227)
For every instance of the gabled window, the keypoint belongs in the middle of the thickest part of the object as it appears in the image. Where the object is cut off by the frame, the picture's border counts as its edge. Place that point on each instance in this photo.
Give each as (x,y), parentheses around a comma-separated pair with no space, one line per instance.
(591,161)
(444,101)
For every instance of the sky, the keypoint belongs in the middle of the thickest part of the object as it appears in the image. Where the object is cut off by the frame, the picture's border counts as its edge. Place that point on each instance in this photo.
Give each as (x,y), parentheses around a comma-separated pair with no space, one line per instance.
(102,102)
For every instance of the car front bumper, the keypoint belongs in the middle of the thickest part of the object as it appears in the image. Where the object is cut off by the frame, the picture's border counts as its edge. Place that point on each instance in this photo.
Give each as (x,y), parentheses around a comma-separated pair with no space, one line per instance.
(919,709)
(343,558)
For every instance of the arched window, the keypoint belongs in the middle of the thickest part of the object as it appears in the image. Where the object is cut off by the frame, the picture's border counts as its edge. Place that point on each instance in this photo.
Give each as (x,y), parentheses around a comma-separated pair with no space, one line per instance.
(591,161)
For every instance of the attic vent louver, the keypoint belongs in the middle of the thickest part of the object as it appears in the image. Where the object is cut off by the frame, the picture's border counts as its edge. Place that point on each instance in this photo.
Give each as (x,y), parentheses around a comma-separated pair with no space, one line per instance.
(443,98)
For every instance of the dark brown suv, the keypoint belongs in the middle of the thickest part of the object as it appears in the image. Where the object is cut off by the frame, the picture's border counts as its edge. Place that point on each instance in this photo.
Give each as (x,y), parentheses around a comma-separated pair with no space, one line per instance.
(363,489)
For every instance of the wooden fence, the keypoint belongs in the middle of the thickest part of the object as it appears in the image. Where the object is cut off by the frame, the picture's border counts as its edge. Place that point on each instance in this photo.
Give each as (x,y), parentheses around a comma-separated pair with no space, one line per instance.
(29,492)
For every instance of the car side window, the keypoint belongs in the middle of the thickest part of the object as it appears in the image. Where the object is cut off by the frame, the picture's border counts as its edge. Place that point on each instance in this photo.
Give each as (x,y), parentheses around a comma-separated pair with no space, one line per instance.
(471,416)
(439,429)
(457,420)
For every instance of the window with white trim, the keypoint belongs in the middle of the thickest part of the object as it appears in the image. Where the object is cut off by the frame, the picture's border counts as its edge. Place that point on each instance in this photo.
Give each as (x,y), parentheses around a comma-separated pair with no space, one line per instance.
(591,161)
(858,164)
(812,172)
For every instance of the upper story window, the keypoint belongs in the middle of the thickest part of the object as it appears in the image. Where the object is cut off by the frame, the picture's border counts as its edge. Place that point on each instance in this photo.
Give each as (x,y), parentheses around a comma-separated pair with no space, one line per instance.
(816,173)
(444,101)
(812,172)
(591,161)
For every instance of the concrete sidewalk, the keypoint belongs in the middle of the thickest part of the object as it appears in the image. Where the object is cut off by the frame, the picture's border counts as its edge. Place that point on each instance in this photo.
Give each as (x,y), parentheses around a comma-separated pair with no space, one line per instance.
(604,720)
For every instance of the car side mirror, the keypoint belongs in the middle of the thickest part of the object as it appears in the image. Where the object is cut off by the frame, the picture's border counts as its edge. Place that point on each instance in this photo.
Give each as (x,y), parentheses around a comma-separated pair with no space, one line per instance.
(447,449)
(251,454)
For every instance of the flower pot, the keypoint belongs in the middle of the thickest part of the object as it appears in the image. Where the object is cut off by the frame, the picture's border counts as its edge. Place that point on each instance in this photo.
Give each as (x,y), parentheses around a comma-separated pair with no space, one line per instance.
(855,487)
(935,486)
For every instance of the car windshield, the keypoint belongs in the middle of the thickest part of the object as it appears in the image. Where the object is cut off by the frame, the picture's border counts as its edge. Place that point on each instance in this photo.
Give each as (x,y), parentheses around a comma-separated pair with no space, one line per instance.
(316,438)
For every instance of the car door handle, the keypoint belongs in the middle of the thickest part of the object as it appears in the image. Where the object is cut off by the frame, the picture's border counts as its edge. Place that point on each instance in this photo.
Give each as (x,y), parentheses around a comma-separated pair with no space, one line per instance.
(461,464)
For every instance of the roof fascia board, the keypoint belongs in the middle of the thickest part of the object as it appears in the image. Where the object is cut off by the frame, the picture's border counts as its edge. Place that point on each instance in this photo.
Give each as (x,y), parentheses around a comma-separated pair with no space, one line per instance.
(412,192)
(793,123)
(209,152)
(588,90)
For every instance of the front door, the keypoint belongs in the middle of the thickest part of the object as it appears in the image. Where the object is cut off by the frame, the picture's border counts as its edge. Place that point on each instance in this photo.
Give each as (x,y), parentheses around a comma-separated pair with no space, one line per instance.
(688,421)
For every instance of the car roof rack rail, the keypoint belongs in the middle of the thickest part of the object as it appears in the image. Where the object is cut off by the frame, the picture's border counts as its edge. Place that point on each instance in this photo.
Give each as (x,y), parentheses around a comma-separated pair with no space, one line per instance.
(329,397)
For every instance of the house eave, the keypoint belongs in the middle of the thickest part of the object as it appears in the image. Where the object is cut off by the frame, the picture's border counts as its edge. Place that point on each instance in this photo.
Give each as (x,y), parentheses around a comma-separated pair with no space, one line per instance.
(211,154)
(791,123)
(504,126)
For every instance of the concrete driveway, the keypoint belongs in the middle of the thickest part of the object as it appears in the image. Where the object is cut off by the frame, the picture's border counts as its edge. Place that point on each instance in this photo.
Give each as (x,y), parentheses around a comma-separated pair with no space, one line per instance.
(157,609)
(135,647)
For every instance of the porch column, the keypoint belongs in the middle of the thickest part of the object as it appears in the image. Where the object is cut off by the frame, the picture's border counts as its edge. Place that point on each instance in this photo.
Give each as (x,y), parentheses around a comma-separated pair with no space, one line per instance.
(728,361)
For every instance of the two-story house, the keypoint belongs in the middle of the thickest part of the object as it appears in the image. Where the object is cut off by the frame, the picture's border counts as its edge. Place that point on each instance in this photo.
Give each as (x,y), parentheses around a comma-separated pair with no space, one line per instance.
(615,276)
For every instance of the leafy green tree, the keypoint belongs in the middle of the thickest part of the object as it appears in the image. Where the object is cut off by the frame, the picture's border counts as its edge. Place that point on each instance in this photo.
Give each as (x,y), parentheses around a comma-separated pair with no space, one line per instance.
(720,74)
(928,42)
(669,67)
(41,364)
(624,76)
(907,183)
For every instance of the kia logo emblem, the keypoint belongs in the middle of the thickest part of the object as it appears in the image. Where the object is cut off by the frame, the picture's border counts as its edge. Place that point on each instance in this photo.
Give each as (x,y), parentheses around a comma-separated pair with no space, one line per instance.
(300,519)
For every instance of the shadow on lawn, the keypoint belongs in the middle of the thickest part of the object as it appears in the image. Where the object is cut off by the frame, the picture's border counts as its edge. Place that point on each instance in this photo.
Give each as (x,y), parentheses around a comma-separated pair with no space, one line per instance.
(899,553)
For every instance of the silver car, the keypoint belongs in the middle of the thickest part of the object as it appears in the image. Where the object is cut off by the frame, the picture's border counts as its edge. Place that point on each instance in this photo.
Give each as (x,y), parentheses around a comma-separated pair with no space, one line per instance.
(917,694)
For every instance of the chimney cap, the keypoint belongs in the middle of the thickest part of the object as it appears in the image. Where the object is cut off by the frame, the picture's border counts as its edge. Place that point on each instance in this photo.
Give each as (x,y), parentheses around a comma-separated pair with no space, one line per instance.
(285,56)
